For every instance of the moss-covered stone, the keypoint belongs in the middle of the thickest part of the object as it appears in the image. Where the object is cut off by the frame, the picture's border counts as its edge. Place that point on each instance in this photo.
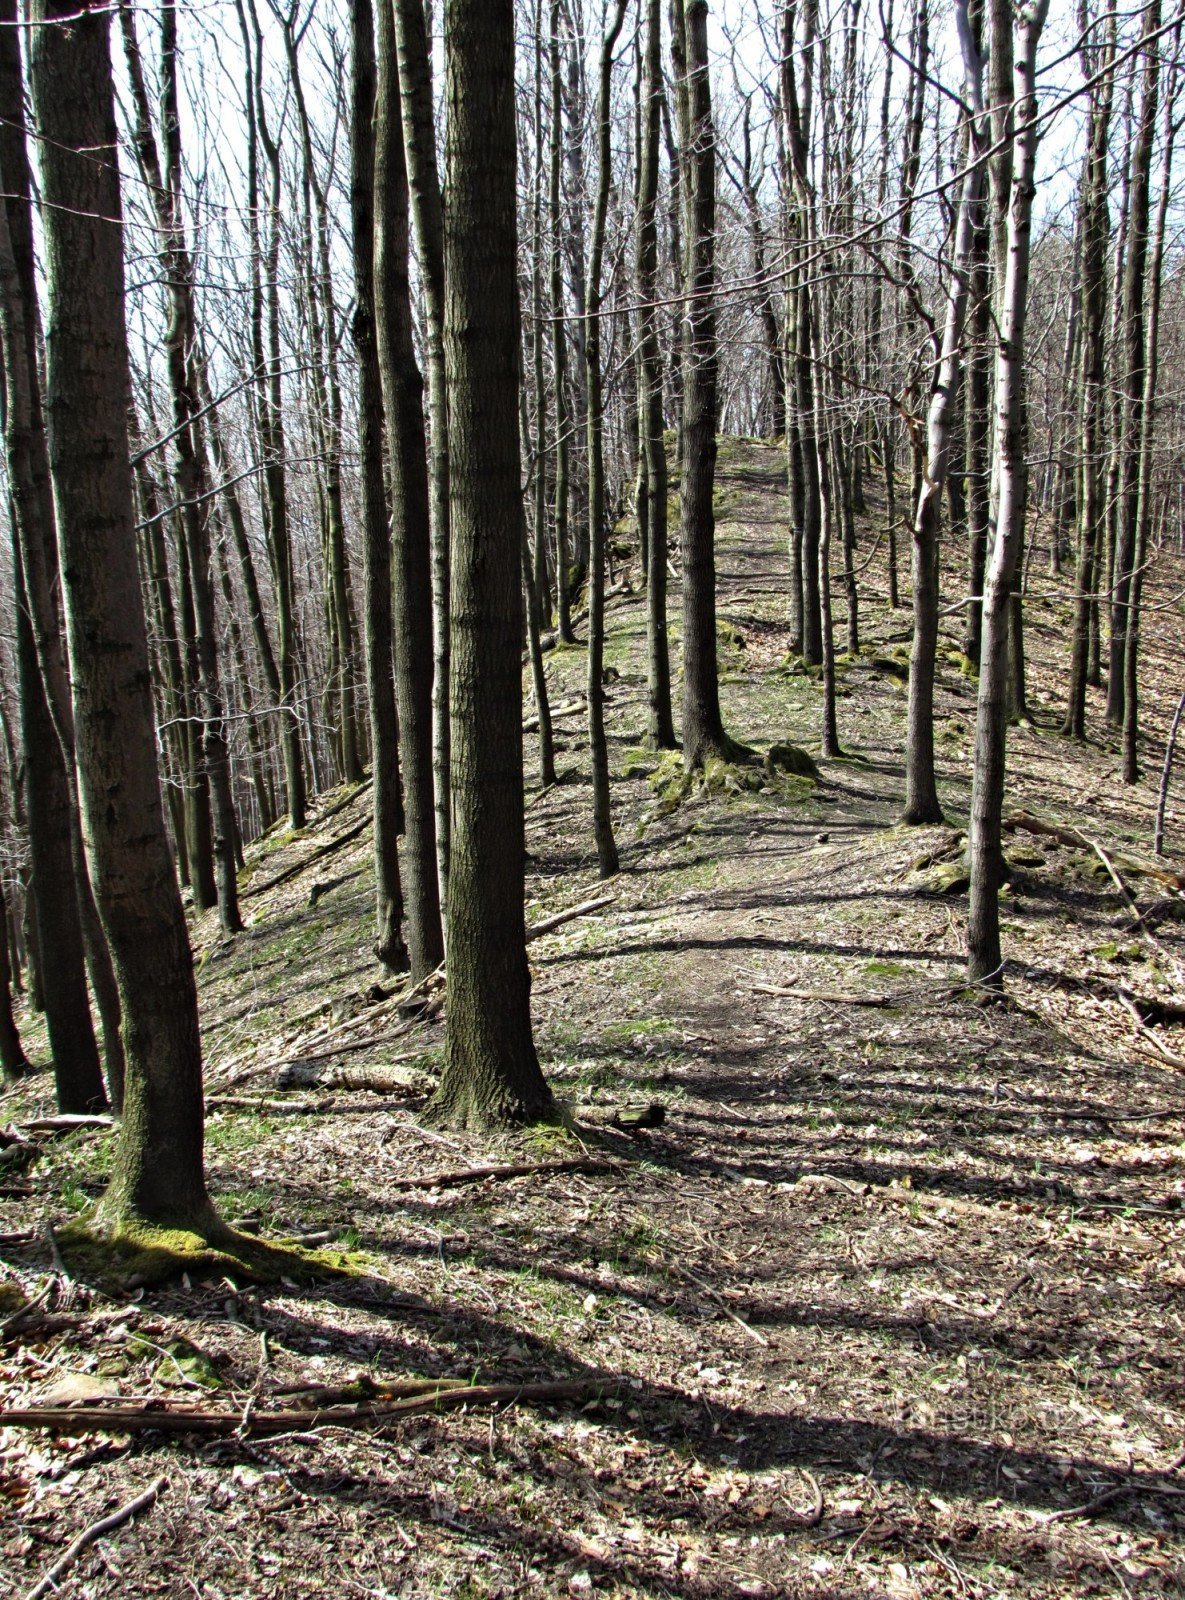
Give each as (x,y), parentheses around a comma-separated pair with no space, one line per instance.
(135,1254)
(785,757)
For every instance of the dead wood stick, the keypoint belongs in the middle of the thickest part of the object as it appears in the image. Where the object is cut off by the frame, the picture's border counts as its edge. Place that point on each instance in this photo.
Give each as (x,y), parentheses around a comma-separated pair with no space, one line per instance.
(67,1122)
(340,805)
(173,1418)
(298,867)
(719,1300)
(538,929)
(572,709)
(1146,1032)
(526,1169)
(834,997)
(88,1536)
(365,1387)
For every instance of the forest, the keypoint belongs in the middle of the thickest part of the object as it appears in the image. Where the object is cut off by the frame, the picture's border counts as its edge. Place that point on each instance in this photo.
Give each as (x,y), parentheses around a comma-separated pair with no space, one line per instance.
(592,852)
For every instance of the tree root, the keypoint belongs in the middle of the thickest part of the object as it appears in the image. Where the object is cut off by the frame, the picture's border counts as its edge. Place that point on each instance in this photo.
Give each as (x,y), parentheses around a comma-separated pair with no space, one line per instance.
(134,1254)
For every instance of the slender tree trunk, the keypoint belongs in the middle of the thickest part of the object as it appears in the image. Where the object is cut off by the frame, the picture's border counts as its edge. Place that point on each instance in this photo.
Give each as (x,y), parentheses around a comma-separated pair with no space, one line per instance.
(411,536)
(1134,367)
(660,721)
(419,138)
(703,729)
(602,817)
(387,802)
(921,792)
(985,963)
(563,414)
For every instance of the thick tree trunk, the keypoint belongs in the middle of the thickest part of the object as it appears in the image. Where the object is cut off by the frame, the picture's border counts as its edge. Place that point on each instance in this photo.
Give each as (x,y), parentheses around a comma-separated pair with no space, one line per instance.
(491,1072)
(158,1174)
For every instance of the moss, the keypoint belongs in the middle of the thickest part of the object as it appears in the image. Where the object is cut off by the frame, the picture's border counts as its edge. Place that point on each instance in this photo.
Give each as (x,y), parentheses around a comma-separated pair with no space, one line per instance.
(12,1299)
(132,1254)
(784,757)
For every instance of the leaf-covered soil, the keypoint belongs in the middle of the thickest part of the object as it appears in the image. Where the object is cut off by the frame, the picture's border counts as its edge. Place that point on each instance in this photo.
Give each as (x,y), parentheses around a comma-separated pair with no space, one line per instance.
(890,1305)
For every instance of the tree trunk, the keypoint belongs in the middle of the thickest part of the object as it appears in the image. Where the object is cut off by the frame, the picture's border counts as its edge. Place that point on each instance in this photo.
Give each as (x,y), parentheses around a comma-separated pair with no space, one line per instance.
(598,751)
(660,721)
(491,1072)
(158,1175)
(411,537)
(921,792)
(419,139)
(703,729)
(387,803)
(984,962)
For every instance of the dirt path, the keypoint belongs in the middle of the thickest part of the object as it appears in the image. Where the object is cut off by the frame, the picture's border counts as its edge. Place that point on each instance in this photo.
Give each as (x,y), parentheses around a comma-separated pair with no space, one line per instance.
(893,1294)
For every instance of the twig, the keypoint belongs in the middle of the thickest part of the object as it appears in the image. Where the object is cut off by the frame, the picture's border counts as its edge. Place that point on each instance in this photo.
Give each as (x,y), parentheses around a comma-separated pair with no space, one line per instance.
(59,1264)
(88,1536)
(527,1169)
(719,1300)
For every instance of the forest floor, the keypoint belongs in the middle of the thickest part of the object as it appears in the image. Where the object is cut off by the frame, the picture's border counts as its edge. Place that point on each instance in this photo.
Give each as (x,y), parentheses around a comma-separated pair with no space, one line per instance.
(891,1305)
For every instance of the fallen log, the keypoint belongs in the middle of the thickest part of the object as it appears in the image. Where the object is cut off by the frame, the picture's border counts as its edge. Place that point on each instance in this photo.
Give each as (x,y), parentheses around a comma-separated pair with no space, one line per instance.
(298,867)
(549,924)
(525,1169)
(1026,822)
(388,1078)
(163,1416)
(831,997)
(67,1122)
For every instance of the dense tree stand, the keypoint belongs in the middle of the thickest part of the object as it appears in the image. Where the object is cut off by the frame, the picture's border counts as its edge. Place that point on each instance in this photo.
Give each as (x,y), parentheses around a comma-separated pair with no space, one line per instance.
(491,1071)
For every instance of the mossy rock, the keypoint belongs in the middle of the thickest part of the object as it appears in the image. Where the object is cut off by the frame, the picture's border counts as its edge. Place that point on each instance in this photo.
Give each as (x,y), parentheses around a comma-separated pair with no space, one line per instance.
(962,664)
(1024,856)
(729,777)
(12,1299)
(891,667)
(132,1255)
(947,878)
(730,636)
(791,758)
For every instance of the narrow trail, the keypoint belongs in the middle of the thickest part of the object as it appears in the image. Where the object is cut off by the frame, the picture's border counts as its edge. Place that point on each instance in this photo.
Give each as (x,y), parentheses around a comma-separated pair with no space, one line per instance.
(892,1300)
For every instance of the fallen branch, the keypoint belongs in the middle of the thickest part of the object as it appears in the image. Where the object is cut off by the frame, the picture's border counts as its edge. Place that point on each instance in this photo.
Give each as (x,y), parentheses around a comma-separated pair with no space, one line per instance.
(298,867)
(1146,1032)
(310,1072)
(549,924)
(1026,822)
(88,1536)
(719,1301)
(831,997)
(159,1416)
(67,1122)
(526,1169)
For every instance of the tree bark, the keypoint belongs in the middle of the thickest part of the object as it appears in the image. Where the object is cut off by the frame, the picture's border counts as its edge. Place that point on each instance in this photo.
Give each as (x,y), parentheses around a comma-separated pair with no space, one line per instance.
(387,802)
(606,845)
(491,1072)
(411,537)
(158,1174)
(984,963)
